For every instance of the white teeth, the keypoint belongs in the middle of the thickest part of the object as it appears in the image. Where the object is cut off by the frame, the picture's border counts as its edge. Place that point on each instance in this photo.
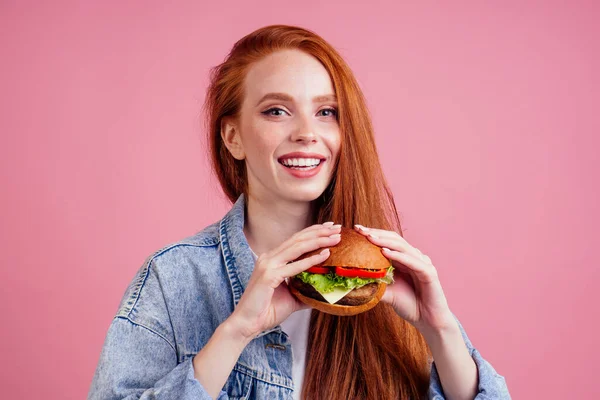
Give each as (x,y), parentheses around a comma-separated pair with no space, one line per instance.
(301,162)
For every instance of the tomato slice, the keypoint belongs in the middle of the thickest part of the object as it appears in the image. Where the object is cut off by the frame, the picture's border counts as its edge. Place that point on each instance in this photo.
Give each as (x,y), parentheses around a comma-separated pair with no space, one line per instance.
(318,270)
(360,273)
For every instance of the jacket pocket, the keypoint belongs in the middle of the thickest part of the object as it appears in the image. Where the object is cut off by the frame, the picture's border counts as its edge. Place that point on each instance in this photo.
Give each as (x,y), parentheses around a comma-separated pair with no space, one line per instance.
(238,385)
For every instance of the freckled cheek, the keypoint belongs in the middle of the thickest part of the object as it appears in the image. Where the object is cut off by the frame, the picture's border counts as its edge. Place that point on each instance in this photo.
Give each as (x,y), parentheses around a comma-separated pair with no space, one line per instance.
(262,138)
(333,140)
(265,145)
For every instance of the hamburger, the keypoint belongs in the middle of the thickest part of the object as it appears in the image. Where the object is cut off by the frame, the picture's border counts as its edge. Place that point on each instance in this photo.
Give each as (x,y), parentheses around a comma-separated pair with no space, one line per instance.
(351,281)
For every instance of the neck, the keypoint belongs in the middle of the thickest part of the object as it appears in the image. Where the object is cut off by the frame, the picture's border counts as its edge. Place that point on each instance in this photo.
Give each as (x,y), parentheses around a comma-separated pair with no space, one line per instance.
(269,223)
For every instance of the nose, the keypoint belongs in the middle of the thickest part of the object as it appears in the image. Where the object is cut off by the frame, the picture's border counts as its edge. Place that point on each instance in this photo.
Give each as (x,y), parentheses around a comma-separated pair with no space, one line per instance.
(304,133)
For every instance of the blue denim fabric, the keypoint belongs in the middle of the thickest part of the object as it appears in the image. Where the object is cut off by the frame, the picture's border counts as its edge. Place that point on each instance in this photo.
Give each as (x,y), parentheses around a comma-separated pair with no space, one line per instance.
(174,304)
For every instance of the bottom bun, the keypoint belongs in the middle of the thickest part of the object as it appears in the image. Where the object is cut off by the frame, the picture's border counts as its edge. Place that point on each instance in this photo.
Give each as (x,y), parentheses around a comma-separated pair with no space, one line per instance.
(337,309)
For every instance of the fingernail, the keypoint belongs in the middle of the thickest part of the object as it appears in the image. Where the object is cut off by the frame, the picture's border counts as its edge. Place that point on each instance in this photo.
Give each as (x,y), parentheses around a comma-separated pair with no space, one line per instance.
(328,223)
(337,235)
(385,249)
(336,226)
(324,252)
(373,236)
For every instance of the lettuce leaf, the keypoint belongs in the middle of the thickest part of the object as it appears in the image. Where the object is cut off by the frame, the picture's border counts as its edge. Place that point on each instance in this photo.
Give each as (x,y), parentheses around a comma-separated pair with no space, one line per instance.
(325,283)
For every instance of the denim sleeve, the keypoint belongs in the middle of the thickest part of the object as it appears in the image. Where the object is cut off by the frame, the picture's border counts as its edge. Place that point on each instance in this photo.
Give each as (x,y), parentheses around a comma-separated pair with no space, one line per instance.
(137,363)
(139,358)
(491,384)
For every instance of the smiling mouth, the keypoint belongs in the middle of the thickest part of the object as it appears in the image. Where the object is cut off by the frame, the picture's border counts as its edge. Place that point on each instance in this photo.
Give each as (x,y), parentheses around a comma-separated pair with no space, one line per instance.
(301,164)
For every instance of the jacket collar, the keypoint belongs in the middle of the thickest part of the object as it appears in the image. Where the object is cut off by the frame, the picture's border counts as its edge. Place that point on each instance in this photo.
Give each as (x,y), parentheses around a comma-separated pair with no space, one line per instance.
(239,262)
(235,248)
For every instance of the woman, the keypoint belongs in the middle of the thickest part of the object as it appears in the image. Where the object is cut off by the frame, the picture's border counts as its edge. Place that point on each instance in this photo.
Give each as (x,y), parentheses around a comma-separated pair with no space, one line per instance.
(292,145)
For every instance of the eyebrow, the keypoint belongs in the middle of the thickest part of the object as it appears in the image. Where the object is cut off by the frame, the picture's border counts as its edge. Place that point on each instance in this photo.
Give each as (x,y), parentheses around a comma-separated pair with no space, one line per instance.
(285,97)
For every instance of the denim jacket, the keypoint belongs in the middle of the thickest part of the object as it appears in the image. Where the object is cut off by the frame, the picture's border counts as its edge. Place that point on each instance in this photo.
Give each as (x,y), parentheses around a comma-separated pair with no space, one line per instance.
(174,304)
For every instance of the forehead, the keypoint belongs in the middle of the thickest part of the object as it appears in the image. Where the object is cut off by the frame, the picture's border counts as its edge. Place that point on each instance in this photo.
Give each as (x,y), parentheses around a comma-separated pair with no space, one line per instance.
(290,71)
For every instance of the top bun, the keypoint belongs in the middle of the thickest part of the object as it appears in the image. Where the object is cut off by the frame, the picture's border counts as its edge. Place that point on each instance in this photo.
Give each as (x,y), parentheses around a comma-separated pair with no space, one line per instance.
(353,250)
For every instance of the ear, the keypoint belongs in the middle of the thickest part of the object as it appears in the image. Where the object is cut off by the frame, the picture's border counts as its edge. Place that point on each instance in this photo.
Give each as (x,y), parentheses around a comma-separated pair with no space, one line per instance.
(231,137)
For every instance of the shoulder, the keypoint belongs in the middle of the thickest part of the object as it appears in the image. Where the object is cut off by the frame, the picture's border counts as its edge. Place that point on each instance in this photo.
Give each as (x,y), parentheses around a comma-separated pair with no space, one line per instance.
(170,265)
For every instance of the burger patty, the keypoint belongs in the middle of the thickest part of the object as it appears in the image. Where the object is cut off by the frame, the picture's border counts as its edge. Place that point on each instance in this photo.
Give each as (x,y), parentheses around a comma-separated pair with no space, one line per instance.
(356,297)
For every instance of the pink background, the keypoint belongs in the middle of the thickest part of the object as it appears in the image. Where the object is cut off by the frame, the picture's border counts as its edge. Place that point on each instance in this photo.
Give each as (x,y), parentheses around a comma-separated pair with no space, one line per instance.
(487,120)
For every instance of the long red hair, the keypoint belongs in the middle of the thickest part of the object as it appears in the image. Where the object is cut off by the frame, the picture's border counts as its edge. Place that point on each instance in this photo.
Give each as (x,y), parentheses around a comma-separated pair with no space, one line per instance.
(374,355)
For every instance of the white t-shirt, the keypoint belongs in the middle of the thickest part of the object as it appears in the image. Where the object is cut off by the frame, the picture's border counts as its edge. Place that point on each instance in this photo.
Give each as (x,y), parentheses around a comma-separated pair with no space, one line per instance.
(296,327)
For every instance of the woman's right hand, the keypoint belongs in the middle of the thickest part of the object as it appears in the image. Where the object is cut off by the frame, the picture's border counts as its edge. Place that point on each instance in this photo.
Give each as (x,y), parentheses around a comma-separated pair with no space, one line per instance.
(267,301)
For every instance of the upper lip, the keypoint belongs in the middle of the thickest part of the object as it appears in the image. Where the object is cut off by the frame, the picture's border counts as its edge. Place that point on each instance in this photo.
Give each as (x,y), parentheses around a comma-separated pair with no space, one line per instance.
(300,154)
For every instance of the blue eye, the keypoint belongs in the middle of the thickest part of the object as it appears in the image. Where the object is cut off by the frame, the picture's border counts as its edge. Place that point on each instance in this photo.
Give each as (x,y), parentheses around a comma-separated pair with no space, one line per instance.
(274,109)
(331,111)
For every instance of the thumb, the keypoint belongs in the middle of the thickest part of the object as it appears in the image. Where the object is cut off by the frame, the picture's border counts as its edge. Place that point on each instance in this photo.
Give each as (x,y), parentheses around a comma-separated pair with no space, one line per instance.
(387,297)
(298,305)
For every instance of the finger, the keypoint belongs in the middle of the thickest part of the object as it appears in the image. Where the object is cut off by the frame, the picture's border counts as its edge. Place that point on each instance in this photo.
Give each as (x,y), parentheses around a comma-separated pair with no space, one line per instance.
(299,248)
(317,226)
(424,272)
(387,297)
(392,241)
(318,231)
(405,277)
(403,282)
(313,240)
(325,229)
(301,306)
(298,305)
(294,268)
(378,232)
(391,236)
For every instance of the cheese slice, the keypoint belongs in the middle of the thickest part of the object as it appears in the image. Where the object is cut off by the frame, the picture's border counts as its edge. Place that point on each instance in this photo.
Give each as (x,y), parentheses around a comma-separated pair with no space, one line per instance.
(335,296)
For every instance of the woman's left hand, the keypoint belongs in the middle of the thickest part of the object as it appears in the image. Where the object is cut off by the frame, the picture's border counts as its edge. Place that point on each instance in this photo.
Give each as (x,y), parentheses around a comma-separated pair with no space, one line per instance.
(416,293)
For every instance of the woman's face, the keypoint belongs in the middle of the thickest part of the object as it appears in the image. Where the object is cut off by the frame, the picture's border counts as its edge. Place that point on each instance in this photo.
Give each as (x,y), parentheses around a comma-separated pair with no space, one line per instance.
(287,130)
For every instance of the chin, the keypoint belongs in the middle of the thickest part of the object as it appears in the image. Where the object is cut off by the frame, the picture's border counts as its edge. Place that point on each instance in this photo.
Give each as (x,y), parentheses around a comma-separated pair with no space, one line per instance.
(305,194)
